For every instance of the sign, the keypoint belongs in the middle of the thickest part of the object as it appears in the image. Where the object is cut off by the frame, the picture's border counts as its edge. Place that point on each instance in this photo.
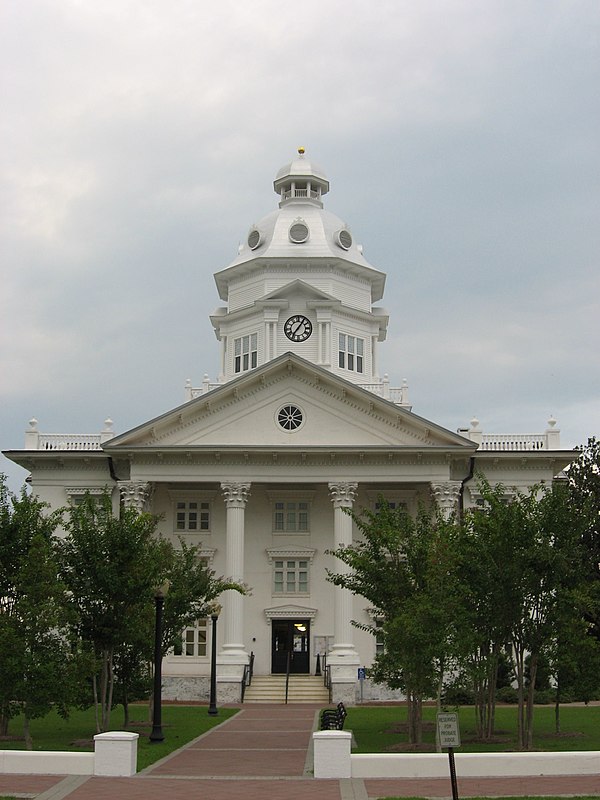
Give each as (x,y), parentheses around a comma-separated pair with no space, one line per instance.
(448,729)
(362,673)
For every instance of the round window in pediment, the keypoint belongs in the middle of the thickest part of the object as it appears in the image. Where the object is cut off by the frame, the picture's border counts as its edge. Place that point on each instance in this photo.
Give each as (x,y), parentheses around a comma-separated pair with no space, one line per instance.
(254,239)
(299,232)
(290,418)
(344,238)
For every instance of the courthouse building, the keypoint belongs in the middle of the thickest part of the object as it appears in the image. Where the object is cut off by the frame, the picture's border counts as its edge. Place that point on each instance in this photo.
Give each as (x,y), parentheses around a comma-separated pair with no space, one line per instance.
(258,466)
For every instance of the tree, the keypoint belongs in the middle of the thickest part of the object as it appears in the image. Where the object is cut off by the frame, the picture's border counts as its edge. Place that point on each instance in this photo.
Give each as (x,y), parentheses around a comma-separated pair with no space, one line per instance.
(193,588)
(529,542)
(111,567)
(404,567)
(37,659)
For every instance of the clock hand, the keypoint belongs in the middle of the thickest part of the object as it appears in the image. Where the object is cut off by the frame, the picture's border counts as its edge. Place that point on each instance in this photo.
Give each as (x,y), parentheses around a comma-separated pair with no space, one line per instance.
(297,328)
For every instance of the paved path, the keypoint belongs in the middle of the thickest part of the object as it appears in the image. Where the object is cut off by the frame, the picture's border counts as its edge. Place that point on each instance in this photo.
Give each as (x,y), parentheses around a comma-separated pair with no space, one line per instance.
(264,752)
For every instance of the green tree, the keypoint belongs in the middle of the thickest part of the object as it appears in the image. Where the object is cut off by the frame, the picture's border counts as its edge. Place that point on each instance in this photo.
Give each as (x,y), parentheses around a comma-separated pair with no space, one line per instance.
(193,589)
(404,567)
(529,542)
(37,658)
(111,566)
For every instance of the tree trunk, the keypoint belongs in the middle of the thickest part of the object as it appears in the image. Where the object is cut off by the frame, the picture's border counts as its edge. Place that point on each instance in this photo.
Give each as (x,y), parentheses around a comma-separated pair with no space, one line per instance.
(27,732)
(96,705)
(557,709)
(438,704)
(533,665)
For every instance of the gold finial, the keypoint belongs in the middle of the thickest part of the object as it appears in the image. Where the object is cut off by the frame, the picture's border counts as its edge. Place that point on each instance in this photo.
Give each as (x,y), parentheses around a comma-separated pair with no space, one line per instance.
(301,151)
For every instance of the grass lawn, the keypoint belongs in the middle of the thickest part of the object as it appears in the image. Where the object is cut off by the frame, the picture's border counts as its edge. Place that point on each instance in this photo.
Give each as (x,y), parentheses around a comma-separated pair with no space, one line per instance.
(379,728)
(180,724)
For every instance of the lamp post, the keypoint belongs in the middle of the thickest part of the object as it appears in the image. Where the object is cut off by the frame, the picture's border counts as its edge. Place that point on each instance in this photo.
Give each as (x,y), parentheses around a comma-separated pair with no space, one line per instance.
(214,615)
(159,599)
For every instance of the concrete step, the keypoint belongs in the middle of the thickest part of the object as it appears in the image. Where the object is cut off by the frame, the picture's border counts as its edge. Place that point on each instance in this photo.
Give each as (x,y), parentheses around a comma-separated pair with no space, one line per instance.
(301,689)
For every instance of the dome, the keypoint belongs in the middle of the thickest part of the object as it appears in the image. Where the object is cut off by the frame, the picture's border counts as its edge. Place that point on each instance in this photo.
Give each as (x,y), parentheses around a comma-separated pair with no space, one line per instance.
(303,170)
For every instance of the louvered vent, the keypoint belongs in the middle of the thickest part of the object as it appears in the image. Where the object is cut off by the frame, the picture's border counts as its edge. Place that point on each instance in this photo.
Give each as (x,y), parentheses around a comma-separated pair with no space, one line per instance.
(344,239)
(299,232)
(253,239)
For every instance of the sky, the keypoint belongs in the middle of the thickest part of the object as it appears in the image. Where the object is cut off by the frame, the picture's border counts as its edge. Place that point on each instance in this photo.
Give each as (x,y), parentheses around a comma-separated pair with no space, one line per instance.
(139,142)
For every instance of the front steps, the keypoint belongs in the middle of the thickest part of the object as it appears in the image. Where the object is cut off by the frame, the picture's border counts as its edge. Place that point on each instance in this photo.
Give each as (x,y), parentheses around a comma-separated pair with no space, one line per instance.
(301,689)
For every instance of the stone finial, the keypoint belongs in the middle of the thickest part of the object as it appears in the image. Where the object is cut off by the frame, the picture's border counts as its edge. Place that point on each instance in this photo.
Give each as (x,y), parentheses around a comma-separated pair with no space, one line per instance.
(552,435)
(32,436)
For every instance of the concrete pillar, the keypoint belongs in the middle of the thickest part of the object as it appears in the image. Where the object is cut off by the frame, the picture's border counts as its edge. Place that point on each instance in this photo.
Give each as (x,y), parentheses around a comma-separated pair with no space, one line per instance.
(343,657)
(135,494)
(446,494)
(233,655)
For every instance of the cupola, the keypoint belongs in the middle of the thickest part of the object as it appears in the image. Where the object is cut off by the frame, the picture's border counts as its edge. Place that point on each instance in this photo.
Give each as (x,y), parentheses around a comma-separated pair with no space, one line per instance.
(301,181)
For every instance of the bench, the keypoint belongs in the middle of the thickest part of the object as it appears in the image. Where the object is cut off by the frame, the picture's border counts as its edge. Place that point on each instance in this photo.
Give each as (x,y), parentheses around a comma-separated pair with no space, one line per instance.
(332,719)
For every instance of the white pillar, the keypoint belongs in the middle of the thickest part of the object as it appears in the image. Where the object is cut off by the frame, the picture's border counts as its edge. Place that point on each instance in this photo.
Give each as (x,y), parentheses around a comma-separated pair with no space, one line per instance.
(343,657)
(446,495)
(236,497)
(135,494)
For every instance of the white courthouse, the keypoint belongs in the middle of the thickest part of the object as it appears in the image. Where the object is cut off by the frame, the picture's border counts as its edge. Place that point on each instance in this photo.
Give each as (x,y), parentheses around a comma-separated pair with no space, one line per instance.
(258,466)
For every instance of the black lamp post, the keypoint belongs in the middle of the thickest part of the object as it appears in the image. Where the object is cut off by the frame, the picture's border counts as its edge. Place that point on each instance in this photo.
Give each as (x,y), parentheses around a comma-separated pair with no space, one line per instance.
(159,598)
(212,707)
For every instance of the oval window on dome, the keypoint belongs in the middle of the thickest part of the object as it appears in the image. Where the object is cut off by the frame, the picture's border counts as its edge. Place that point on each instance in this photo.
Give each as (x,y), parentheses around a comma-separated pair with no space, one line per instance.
(344,238)
(299,232)
(254,239)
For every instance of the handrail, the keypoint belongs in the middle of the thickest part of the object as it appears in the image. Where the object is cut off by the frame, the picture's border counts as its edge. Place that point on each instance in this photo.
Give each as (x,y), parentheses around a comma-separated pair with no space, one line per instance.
(247,676)
(287,675)
(327,677)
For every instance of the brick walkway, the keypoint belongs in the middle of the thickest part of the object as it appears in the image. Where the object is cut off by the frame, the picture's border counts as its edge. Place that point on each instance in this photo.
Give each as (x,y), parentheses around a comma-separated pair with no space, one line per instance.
(264,752)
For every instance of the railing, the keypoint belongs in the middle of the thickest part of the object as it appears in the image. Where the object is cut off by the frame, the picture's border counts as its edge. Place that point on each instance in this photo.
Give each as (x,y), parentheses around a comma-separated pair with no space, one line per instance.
(289,193)
(327,676)
(247,675)
(287,675)
(69,441)
(397,395)
(513,441)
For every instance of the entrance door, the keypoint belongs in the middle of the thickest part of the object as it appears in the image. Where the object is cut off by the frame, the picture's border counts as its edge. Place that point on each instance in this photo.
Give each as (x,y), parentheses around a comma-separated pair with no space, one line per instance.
(290,636)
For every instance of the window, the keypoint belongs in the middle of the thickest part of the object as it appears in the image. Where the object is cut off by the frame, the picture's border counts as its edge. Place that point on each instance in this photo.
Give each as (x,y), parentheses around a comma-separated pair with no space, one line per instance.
(392,504)
(245,353)
(194,640)
(290,576)
(291,517)
(351,353)
(379,639)
(192,516)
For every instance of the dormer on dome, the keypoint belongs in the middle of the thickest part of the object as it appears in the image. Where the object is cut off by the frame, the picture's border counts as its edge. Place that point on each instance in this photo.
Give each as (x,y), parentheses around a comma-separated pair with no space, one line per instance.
(301,181)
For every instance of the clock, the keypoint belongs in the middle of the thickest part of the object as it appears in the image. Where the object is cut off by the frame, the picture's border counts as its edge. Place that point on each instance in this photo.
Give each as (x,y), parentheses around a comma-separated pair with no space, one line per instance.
(297,328)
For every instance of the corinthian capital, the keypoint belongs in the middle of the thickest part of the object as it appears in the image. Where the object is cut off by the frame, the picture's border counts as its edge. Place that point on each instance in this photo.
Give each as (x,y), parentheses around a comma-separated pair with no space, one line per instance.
(446,495)
(236,494)
(342,494)
(135,494)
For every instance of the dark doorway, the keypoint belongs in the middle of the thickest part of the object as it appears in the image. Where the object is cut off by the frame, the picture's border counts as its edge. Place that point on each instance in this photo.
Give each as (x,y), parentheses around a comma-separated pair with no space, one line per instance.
(290,636)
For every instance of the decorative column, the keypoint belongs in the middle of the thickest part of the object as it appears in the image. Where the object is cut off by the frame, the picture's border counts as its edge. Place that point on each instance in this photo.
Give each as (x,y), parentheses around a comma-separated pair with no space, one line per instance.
(446,496)
(233,656)
(135,494)
(343,657)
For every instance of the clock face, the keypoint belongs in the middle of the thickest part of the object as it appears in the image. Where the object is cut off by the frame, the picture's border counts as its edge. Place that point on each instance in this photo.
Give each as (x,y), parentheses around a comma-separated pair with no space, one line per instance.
(298,328)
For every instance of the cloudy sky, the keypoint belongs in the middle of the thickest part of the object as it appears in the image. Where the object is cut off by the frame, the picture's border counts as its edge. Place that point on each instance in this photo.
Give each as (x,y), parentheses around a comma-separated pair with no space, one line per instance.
(140,140)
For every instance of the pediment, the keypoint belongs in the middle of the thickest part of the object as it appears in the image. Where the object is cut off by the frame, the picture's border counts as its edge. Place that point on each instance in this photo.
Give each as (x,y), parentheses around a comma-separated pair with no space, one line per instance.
(246,413)
(290,612)
(298,288)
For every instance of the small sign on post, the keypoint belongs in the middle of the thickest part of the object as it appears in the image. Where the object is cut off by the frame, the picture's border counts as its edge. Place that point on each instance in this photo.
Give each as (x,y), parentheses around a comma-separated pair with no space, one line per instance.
(362,674)
(449,737)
